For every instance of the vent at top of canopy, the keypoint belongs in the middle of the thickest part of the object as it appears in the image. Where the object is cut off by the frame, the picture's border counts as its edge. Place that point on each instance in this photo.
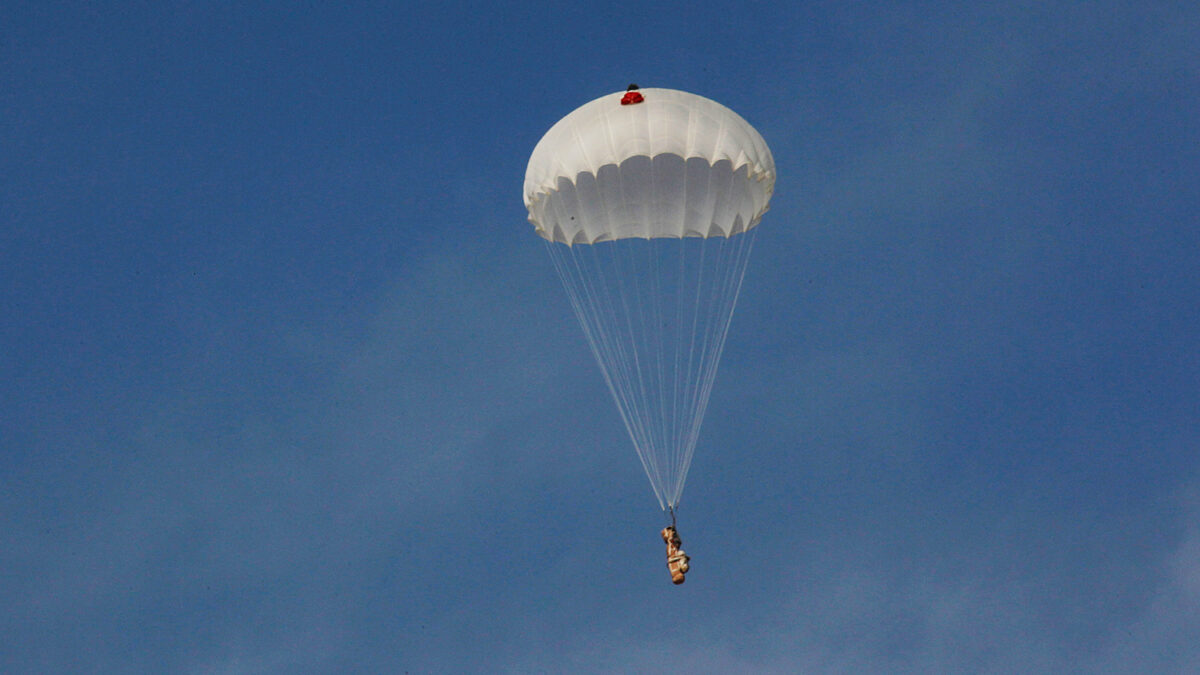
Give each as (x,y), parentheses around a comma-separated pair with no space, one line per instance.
(674,165)
(632,96)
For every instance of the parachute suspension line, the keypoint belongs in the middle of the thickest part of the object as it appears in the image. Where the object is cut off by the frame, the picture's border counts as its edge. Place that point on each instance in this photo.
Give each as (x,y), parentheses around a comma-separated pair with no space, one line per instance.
(704,314)
(596,313)
(633,303)
(658,328)
(640,311)
(707,309)
(632,398)
(687,381)
(725,287)
(655,329)
(679,381)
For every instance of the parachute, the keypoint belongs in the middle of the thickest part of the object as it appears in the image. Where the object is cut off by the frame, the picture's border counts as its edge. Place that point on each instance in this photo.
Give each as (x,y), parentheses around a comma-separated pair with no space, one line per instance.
(648,202)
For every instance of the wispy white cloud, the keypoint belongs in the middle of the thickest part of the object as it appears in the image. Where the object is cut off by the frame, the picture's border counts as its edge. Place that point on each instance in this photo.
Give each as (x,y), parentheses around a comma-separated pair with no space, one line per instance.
(1164,636)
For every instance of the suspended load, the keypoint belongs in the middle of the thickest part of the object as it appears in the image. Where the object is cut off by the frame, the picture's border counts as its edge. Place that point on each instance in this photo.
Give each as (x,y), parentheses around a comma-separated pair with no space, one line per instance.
(648,202)
(677,560)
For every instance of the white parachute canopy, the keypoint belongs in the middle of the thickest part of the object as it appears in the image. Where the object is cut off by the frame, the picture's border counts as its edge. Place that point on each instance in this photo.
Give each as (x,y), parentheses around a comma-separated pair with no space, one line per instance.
(648,202)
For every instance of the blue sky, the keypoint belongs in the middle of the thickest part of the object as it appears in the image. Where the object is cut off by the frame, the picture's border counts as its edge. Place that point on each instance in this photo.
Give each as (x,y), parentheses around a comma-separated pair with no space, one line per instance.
(287,383)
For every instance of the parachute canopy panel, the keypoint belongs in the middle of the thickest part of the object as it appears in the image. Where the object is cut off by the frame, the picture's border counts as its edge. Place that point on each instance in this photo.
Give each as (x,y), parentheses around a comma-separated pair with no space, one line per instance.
(674,165)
